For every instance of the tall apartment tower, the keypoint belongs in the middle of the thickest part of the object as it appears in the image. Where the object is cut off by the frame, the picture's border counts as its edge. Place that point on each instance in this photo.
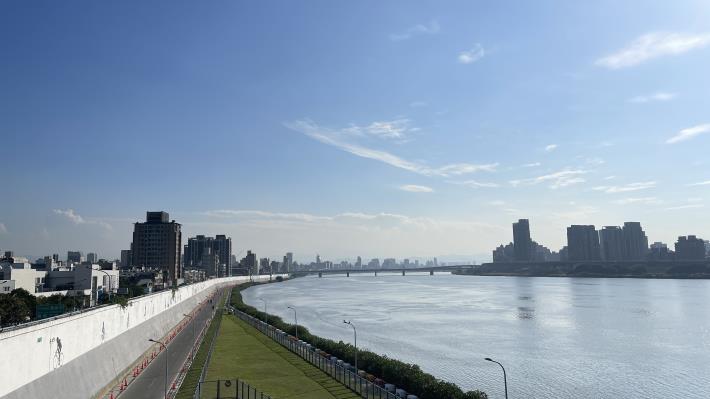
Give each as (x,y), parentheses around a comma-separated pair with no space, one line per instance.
(612,244)
(223,250)
(582,243)
(219,246)
(157,244)
(522,243)
(689,248)
(73,257)
(635,241)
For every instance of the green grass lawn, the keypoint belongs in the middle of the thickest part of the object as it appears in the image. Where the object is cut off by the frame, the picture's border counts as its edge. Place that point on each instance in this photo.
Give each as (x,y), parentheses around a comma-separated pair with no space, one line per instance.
(243,352)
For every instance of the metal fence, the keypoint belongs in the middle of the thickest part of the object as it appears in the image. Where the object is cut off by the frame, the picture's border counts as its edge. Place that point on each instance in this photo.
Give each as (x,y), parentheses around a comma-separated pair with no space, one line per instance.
(229,389)
(338,369)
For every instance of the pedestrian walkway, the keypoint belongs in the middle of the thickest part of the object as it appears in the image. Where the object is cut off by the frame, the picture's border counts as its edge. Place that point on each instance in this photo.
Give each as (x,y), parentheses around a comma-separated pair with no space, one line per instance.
(243,352)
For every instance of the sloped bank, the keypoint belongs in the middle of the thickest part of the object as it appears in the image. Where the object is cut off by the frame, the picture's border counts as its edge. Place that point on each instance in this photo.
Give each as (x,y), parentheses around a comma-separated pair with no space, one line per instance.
(408,376)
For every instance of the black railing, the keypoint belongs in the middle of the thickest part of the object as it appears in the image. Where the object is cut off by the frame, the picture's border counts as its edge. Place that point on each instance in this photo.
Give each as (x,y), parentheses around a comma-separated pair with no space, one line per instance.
(229,389)
(338,369)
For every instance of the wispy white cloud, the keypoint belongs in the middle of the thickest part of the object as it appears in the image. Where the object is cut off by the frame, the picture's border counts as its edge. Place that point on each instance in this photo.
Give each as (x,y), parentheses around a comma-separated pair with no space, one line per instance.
(559,179)
(531,165)
(688,206)
(610,177)
(689,133)
(640,200)
(413,188)
(659,96)
(653,45)
(700,183)
(550,147)
(626,188)
(77,219)
(474,184)
(3,229)
(248,213)
(337,139)
(474,54)
(419,29)
(418,104)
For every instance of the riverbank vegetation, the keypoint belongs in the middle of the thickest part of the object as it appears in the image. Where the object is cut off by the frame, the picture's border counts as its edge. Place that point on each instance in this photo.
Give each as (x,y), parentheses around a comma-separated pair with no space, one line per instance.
(404,375)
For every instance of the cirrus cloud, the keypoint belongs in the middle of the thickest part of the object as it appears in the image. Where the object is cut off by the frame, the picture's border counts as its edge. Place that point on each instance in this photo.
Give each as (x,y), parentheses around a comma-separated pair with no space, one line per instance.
(689,133)
(413,188)
(653,45)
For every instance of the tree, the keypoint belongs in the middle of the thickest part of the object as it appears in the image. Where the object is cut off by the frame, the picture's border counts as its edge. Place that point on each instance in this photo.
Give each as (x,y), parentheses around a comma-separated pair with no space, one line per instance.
(29,300)
(13,309)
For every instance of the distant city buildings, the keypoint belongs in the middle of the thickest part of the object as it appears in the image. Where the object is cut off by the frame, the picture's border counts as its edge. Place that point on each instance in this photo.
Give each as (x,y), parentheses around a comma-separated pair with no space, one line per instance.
(213,255)
(73,257)
(582,243)
(609,244)
(690,248)
(522,243)
(157,243)
(612,243)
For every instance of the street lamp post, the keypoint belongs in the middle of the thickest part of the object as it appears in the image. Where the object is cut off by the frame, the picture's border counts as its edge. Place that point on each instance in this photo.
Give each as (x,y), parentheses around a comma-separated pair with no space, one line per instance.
(295,316)
(505,378)
(166,365)
(194,338)
(109,284)
(354,331)
(266,315)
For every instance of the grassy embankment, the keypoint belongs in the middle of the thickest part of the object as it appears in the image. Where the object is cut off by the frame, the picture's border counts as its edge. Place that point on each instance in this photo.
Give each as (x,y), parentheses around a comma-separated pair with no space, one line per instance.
(243,352)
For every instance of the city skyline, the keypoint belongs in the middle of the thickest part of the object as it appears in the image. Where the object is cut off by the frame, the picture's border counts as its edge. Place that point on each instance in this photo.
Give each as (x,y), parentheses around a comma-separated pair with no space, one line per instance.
(306,151)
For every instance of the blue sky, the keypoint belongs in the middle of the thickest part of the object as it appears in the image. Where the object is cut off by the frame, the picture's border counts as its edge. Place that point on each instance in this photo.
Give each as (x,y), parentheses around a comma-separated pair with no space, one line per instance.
(404,129)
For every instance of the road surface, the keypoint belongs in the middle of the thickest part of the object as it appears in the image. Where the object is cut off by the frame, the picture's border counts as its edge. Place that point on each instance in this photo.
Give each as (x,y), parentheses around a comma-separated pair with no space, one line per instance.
(150,384)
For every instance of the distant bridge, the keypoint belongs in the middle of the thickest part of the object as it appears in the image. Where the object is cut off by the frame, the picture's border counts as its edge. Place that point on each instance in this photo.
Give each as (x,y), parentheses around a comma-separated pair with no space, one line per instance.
(430,269)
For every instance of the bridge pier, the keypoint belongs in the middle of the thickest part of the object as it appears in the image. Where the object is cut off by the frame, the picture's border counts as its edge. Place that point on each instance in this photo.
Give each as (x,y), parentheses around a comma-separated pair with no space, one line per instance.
(320,274)
(347,274)
(375,274)
(431,272)
(403,272)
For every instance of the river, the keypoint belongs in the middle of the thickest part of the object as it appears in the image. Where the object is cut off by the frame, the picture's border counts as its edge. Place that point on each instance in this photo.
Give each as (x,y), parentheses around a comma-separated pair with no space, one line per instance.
(557,337)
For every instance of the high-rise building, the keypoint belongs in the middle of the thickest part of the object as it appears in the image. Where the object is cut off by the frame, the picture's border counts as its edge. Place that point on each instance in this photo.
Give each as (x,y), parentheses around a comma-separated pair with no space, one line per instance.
(223,250)
(504,253)
(612,243)
(660,251)
(219,246)
(690,248)
(522,243)
(126,259)
(288,262)
(73,257)
(582,243)
(358,263)
(635,241)
(92,258)
(249,262)
(157,244)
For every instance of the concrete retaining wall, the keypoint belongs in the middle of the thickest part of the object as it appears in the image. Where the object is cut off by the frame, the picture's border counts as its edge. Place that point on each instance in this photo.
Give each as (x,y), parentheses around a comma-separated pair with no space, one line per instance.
(76,356)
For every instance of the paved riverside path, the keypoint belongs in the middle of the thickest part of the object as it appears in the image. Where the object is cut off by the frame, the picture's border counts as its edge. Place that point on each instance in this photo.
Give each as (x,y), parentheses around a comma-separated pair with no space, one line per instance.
(150,383)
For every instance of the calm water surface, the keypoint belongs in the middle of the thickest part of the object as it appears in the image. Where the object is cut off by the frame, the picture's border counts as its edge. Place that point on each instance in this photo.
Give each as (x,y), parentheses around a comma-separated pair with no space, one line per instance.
(557,337)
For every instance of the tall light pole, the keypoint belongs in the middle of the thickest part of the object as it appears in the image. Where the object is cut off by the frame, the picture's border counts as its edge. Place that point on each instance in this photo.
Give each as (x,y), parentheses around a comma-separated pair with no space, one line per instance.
(354,331)
(109,283)
(505,378)
(166,365)
(295,316)
(194,338)
(266,315)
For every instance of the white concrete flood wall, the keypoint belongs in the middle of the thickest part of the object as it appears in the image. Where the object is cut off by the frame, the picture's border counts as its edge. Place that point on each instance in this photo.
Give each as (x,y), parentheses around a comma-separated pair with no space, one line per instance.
(77,356)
